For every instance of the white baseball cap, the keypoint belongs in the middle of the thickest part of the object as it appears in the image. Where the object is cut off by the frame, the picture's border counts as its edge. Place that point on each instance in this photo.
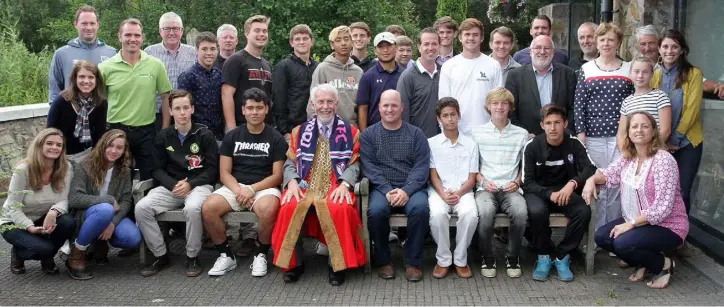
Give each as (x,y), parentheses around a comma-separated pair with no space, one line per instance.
(384,37)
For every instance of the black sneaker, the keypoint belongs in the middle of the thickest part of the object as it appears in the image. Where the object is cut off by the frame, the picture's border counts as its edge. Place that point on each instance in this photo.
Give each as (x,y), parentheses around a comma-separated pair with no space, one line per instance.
(489,268)
(193,267)
(158,264)
(512,267)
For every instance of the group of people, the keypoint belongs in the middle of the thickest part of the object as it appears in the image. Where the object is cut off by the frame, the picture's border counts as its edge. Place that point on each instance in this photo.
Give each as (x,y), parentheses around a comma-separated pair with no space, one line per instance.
(451,132)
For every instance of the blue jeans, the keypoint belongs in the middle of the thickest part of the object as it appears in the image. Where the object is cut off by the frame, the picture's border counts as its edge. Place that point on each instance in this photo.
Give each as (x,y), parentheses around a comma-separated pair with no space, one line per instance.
(641,246)
(126,235)
(418,219)
(30,246)
(688,159)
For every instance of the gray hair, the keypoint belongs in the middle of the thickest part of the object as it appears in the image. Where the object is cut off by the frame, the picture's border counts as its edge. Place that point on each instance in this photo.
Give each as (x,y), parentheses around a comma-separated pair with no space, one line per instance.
(324,88)
(647,30)
(588,23)
(169,17)
(227,27)
(553,45)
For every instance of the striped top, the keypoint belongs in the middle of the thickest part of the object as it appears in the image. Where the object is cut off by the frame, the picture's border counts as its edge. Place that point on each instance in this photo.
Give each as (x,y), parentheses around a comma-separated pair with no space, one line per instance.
(598,98)
(500,151)
(650,102)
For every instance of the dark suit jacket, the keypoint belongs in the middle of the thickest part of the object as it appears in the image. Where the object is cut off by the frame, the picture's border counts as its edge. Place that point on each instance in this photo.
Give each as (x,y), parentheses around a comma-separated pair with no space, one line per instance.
(521,82)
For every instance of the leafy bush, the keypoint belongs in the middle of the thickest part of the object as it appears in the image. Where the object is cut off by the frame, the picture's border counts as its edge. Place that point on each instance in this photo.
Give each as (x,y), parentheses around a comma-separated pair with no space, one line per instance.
(23,74)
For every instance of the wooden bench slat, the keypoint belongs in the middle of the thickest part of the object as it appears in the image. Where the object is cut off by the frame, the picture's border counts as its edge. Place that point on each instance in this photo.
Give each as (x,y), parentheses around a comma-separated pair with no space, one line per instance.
(501,220)
(231,217)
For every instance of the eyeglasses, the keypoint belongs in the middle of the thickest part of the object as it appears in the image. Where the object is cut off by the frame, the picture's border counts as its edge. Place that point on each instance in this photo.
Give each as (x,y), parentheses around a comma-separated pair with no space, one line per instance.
(539,48)
(175,30)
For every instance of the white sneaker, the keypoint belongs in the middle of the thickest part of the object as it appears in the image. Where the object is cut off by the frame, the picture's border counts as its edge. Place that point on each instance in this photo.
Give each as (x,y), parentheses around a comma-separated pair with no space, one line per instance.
(392,237)
(258,267)
(322,249)
(222,265)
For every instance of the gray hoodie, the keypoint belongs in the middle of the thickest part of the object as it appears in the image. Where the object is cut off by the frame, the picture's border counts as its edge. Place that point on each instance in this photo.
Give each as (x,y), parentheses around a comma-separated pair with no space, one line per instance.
(64,58)
(345,77)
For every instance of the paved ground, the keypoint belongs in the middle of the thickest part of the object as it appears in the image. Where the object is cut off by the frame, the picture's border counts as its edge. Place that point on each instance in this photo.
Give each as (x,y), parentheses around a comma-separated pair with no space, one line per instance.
(119,283)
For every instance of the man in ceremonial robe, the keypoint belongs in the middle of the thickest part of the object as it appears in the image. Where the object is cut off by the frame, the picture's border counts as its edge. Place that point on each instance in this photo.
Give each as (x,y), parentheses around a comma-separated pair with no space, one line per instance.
(319,175)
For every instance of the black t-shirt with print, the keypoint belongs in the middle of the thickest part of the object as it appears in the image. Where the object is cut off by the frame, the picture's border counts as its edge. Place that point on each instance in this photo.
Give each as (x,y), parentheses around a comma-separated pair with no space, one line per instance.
(244,71)
(253,155)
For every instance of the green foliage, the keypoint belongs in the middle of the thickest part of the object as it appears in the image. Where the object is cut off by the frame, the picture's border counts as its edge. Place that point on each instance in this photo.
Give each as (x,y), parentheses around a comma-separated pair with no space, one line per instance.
(207,15)
(23,74)
(456,9)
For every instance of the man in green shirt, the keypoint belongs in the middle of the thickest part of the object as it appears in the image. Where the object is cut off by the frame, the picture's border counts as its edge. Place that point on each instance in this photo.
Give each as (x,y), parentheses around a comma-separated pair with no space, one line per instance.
(132,79)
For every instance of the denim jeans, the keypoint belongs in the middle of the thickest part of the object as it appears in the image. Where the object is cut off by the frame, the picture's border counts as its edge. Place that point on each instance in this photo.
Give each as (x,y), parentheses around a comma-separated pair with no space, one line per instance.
(418,220)
(29,246)
(97,218)
(641,246)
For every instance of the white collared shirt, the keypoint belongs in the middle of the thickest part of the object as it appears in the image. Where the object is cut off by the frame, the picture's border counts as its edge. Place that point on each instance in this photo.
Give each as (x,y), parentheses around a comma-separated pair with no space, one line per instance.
(453,162)
(422,69)
(500,151)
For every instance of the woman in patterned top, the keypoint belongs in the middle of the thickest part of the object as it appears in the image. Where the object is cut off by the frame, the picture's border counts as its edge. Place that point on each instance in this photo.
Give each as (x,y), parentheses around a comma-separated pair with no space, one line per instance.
(602,86)
(654,219)
(683,83)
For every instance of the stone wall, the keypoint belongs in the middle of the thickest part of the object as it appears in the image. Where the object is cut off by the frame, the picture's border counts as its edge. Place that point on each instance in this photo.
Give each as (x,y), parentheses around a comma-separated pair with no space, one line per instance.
(629,15)
(18,126)
(632,14)
(558,13)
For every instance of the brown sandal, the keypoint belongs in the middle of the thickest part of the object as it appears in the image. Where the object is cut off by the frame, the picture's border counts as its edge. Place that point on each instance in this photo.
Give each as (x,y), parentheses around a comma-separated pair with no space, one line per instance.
(670,271)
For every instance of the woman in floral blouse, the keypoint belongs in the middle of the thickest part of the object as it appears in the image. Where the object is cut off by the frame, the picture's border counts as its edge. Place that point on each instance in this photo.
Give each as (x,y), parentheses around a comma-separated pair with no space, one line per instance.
(654,217)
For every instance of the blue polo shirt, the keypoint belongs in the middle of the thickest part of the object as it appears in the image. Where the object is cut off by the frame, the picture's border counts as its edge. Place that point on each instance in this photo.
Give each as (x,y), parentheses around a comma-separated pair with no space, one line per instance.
(371,85)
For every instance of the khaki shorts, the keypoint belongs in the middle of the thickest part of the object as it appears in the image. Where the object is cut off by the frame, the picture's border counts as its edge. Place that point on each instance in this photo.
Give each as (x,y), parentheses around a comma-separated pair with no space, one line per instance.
(230,197)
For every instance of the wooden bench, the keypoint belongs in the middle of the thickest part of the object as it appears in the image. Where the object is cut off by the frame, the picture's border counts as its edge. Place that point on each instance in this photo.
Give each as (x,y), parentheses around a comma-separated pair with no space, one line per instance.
(362,190)
(501,220)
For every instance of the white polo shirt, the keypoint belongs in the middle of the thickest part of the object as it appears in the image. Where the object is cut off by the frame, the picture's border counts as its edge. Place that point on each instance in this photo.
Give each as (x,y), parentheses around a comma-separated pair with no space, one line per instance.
(500,151)
(453,162)
(469,81)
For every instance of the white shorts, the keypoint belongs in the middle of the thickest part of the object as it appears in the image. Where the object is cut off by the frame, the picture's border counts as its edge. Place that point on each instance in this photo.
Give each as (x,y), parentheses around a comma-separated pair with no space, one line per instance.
(230,197)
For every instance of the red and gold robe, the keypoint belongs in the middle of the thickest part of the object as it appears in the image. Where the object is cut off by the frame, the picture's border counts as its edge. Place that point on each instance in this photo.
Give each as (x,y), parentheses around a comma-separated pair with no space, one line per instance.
(335,224)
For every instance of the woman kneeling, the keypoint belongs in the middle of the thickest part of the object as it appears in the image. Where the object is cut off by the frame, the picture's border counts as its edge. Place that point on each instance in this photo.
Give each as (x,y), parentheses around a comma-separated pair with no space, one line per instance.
(101,197)
(654,217)
(34,219)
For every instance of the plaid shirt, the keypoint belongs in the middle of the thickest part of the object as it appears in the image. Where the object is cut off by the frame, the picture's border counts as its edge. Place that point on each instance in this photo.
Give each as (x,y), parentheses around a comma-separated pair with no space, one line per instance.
(175,63)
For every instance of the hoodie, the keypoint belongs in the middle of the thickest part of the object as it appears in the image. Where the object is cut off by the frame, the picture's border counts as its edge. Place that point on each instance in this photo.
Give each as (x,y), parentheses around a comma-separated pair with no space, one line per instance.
(345,77)
(65,57)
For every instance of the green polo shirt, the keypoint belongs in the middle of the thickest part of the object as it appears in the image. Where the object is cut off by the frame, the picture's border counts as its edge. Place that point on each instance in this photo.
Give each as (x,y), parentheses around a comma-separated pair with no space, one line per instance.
(131,90)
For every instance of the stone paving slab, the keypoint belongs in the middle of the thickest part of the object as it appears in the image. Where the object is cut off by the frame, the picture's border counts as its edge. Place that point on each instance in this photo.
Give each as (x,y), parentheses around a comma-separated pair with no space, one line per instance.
(119,283)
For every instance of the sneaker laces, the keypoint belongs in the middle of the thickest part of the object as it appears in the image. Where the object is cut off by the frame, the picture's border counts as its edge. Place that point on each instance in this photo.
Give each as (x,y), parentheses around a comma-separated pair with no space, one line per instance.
(259,262)
(220,260)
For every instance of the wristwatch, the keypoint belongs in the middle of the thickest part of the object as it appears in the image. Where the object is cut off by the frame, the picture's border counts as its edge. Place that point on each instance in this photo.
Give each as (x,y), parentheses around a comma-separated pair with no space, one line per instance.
(56,211)
(347,184)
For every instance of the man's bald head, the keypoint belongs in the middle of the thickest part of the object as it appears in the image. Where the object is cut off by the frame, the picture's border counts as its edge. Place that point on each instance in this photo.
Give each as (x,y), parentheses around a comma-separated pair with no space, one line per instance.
(391,107)
(391,94)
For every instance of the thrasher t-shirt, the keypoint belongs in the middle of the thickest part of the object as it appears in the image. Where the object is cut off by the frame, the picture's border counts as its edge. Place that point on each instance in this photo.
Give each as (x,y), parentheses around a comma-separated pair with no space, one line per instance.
(244,71)
(253,155)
